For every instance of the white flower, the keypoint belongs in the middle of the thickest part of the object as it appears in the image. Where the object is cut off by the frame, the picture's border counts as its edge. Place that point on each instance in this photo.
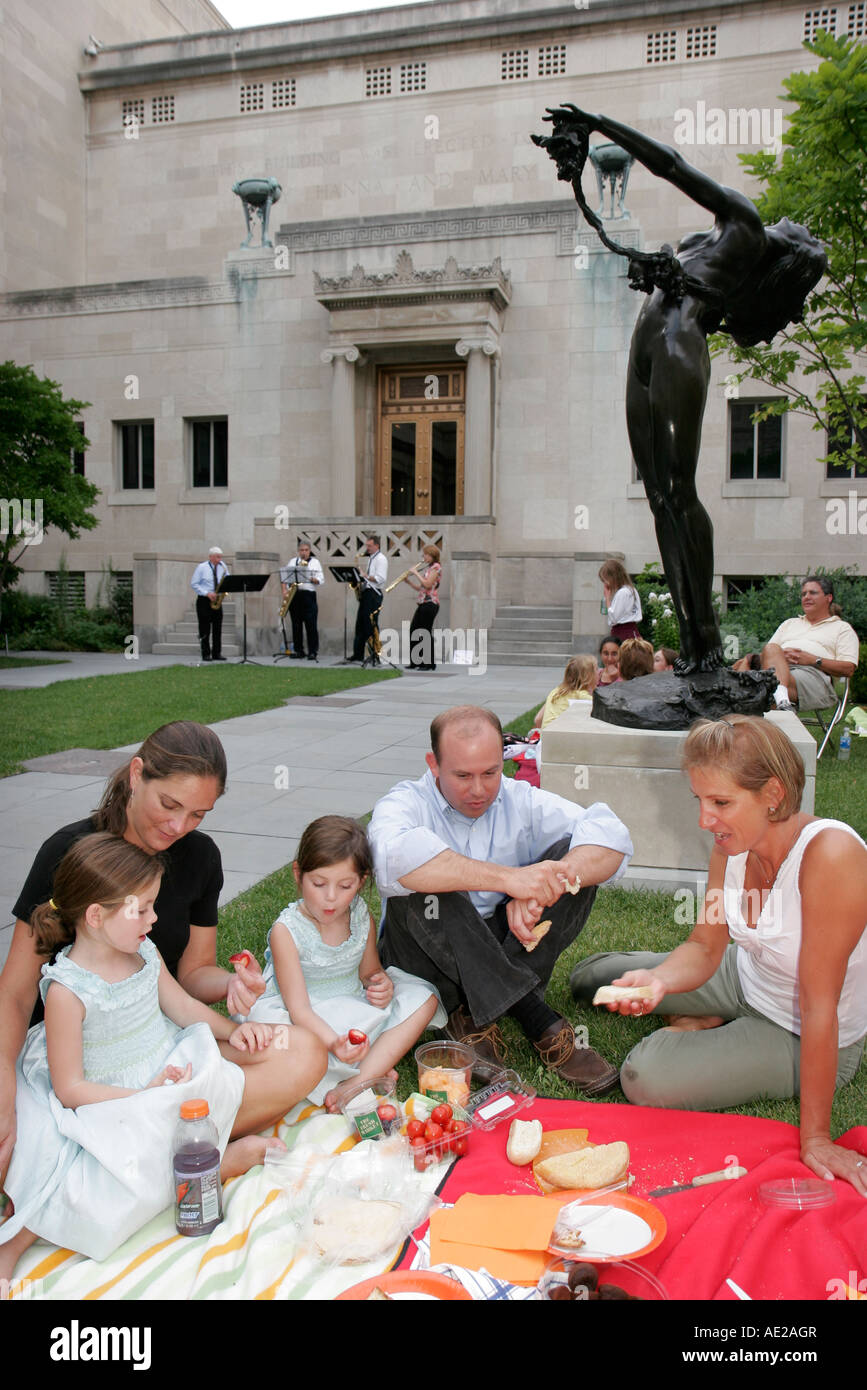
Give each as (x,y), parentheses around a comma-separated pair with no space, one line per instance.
(666,612)
(652,598)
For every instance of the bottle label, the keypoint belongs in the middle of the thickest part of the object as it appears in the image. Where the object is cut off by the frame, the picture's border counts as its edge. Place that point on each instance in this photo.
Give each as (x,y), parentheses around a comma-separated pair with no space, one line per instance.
(198,1200)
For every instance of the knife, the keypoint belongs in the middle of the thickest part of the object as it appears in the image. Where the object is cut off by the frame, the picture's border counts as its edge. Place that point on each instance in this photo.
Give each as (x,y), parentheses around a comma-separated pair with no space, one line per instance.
(722,1176)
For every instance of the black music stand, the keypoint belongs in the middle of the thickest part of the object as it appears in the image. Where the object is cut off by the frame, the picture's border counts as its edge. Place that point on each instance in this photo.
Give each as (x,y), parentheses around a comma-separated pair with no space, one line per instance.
(346,574)
(245,584)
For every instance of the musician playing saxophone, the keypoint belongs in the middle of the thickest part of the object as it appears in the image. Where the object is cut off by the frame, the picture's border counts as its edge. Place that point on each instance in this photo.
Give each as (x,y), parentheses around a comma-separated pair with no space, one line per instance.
(305,572)
(370,602)
(206,580)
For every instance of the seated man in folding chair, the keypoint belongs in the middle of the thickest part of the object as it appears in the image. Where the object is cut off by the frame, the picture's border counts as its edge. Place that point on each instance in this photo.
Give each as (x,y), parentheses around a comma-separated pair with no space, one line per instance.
(810,652)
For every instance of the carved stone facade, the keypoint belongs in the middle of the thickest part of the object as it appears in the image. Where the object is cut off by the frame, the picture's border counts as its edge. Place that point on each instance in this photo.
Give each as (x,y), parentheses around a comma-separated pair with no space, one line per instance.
(418,227)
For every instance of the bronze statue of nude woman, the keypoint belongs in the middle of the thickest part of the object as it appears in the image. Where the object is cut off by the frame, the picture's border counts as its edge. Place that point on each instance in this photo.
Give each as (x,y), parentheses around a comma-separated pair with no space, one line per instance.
(742,277)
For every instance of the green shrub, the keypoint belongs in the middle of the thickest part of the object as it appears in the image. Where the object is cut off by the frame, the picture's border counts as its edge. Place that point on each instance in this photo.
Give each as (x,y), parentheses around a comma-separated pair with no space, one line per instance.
(858,683)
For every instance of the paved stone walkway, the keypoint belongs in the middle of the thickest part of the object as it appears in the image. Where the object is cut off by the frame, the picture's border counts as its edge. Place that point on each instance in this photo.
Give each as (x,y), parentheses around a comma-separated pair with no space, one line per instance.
(341,752)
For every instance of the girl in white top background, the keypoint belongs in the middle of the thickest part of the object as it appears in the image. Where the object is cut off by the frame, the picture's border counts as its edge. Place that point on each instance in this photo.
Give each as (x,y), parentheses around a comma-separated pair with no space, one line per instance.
(782,1010)
(621,600)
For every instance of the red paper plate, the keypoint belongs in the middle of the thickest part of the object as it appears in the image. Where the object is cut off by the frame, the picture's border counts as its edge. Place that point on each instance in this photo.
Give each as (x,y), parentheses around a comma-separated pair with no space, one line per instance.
(636,1205)
(423,1281)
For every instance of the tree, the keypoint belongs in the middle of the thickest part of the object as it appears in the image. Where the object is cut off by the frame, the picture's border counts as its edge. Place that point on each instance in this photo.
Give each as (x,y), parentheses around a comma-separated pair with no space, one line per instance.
(820,180)
(38,485)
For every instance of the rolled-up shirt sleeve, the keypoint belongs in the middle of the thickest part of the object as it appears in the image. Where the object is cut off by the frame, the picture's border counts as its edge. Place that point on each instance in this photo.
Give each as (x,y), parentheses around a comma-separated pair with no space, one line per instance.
(398,846)
(554,817)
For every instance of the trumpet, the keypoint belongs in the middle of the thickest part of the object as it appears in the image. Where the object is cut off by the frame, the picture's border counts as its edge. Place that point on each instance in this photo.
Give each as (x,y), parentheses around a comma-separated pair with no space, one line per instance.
(394,583)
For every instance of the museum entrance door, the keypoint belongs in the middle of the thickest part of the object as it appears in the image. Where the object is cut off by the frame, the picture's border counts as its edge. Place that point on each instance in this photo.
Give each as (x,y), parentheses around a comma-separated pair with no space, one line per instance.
(420,440)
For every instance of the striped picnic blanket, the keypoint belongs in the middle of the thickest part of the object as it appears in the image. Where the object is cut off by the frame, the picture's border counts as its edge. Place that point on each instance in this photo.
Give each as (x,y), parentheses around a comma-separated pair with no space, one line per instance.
(253,1254)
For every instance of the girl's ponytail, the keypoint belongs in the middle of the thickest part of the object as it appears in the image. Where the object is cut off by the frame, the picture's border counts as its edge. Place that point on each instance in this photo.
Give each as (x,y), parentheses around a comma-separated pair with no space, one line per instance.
(51,929)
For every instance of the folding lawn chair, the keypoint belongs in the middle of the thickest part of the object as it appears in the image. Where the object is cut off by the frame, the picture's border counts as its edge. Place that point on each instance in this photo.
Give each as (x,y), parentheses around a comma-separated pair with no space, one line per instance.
(828,717)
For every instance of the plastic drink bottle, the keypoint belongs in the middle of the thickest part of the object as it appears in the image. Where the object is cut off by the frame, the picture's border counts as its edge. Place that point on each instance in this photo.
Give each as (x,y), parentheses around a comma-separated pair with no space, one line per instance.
(196,1168)
(845,745)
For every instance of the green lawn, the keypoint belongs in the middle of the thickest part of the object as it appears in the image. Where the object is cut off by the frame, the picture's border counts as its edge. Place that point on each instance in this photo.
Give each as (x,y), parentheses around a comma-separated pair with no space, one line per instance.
(622,919)
(108,711)
(8,663)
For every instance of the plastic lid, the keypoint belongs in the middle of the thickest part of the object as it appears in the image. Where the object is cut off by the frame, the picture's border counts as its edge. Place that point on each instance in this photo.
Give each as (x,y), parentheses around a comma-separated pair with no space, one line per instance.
(797,1194)
(194,1109)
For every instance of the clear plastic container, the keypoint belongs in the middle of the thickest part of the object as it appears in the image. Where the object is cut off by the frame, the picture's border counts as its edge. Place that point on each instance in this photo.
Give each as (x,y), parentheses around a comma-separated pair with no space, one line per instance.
(797,1194)
(445,1070)
(196,1171)
(368,1106)
(504,1097)
(577,1280)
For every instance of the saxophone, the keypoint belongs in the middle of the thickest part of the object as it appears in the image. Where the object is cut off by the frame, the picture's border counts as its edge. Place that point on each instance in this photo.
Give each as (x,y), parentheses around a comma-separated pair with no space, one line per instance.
(292,590)
(216,603)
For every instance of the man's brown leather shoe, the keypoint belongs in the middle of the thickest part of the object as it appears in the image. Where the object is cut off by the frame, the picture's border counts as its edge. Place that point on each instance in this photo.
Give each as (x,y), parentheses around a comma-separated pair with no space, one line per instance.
(488,1043)
(580,1066)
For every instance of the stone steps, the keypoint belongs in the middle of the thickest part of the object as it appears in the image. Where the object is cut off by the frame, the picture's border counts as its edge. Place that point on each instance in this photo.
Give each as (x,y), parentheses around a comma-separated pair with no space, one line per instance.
(182,638)
(530,635)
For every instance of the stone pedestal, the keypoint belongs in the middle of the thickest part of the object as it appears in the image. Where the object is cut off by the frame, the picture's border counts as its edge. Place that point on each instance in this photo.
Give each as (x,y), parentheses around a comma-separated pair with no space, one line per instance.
(637,773)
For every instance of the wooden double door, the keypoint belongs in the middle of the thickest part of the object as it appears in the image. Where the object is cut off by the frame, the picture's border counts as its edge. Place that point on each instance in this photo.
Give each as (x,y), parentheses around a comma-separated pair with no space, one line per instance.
(420,440)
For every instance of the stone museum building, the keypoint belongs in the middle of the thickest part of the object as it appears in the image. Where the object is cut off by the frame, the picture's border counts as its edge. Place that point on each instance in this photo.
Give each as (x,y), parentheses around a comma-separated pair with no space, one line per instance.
(425,342)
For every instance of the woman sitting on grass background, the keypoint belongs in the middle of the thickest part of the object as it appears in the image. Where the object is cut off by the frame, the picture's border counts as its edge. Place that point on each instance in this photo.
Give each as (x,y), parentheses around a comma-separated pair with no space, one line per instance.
(782,1009)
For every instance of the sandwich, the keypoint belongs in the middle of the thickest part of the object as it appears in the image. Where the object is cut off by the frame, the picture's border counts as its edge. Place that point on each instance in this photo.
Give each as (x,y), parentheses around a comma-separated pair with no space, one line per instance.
(599,1166)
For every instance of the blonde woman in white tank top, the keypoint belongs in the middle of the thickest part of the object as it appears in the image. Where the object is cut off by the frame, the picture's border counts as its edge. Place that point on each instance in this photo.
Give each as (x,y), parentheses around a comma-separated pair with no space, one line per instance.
(768,995)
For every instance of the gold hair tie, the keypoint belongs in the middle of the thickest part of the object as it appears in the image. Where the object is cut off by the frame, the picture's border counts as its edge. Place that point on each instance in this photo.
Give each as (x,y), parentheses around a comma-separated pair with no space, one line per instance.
(52,903)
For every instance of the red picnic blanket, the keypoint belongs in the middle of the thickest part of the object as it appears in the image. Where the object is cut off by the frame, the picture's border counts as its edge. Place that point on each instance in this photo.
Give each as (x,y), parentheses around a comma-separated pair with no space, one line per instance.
(715,1232)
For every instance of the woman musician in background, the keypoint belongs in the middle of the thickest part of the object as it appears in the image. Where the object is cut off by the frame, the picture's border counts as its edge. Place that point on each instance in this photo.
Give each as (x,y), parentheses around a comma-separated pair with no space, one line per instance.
(427,585)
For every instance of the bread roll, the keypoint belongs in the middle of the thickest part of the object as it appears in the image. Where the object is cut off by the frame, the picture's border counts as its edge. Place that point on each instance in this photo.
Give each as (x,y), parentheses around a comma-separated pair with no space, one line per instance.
(592,1167)
(541,929)
(614,994)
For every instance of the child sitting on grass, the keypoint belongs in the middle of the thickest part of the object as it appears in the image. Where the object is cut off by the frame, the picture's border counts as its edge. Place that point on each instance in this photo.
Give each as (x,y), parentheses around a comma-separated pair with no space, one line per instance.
(323,970)
(578,683)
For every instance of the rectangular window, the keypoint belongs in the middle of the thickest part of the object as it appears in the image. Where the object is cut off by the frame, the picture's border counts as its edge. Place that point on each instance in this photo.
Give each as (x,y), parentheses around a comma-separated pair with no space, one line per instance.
(162,109)
(377,82)
(755,450)
(132,112)
(252,96)
(841,441)
(552,59)
(136,448)
(514,64)
(67,589)
(77,455)
(814,20)
(283,92)
(662,46)
(701,41)
(209,448)
(413,77)
(736,585)
(857,27)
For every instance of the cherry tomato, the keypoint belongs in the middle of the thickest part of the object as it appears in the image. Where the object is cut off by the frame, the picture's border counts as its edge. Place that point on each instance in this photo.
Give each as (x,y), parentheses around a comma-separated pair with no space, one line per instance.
(241,958)
(461,1127)
(356,1037)
(432,1131)
(415,1129)
(459,1146)
(387,1113)
(441,1114)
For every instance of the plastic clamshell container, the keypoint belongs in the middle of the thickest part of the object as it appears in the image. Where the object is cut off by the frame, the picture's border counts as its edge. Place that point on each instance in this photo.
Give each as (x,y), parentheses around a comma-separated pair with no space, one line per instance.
(363,1115)
(624,1274)
(797,1194)
(445,1070)
(504,1097)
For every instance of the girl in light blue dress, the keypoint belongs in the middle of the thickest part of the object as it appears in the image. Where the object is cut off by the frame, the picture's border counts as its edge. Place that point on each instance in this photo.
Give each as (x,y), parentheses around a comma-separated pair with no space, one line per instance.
(323,970)
(96,1115)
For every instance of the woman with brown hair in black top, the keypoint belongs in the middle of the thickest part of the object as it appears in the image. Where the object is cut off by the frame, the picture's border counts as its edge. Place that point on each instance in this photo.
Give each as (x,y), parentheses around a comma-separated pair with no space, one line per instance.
(157,801)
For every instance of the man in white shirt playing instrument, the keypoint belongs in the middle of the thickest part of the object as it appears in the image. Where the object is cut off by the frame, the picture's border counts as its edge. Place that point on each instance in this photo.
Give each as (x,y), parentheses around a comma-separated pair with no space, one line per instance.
(469,863)
(305,572)
(807,653)
(372,585)
(206,579)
